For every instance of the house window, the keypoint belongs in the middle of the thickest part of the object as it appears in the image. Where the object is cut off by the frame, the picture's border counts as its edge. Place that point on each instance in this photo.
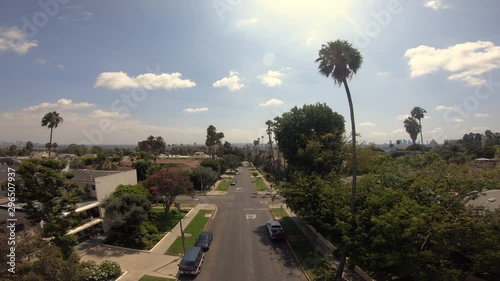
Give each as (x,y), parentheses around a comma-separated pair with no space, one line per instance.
(93,187)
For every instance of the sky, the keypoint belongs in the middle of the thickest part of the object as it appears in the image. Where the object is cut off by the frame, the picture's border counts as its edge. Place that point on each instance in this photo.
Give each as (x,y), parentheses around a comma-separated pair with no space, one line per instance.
(119,71)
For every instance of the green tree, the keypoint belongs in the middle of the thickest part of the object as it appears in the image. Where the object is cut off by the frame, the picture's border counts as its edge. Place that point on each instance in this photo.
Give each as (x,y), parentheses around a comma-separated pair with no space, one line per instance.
(311,138)
(213,164)
(232,161)
(169,183)
(213,138)
(47,197)
(13,150)
(419,113)
(412,128)
(29,147)
(340,61)
(51,120)
(269,131)
(203,176)
(142,168)
(126,210)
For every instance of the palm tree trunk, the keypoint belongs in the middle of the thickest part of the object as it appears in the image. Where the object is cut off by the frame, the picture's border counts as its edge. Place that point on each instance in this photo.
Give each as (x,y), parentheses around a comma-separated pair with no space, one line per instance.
(421,133)
(340,269)
(50,146)
(272,156)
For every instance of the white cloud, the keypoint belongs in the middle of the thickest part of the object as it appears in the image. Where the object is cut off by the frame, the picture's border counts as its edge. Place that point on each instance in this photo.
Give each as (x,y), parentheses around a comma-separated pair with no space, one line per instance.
(379,134)
(60,66)
(61,104)
(367,124)
(383,74)
(247,22)
(402,117)
(194,110)
(481,115)
(435,5)
(232,82)
(41,61)
(14,39)
(467,61)
(106,114)
(271,78)
(445,108)
(76,14)
(271,102)
(148,81)
(459,120)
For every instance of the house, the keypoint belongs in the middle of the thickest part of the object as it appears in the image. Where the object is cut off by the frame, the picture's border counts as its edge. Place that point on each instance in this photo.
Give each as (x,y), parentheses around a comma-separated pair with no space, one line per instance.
(97,186)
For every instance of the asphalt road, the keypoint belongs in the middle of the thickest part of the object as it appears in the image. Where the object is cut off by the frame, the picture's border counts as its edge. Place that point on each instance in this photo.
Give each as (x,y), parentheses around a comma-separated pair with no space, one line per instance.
(242,249)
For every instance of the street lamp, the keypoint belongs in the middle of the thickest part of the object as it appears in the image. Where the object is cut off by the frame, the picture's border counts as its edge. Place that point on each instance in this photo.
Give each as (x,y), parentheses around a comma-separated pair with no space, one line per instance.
(178,205)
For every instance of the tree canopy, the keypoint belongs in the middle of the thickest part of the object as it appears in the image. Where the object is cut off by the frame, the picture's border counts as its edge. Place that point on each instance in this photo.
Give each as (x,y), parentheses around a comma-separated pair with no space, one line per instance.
(311,138)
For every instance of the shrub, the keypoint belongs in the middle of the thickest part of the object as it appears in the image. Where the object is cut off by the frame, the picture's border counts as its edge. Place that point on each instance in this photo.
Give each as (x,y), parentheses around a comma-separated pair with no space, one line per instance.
(106,271)
(255,174)
(151,229)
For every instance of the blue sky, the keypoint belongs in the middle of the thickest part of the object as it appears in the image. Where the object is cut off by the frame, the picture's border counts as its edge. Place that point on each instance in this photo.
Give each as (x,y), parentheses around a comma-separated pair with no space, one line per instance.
(119,71)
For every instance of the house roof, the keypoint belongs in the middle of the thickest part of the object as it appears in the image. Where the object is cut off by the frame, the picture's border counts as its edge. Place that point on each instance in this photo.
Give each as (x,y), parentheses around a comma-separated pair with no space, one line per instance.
(86,175)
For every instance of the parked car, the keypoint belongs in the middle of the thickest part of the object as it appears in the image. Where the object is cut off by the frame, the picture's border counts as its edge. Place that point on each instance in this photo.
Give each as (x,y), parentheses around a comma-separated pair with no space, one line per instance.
(191,261)
(233,182)
(275,230)
(204,239)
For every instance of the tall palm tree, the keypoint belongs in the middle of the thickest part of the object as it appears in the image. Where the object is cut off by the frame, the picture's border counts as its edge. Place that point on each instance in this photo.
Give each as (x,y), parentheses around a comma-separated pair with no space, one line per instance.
(269,131)
(340,61)
(51,120)
(412,127)
(419,113)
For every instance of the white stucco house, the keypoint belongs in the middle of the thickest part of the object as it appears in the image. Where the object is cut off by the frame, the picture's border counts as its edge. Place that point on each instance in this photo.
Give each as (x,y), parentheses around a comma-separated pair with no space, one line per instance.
(97,185)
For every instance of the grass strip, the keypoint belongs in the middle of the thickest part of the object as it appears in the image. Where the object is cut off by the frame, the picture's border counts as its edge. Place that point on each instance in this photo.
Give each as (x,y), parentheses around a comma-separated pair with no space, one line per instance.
(260,185)
(154,278)
(302,247)
(223,185)
(195,227)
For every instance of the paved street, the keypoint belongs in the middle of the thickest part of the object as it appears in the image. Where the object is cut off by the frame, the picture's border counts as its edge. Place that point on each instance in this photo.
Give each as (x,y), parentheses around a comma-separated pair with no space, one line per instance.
(242,249)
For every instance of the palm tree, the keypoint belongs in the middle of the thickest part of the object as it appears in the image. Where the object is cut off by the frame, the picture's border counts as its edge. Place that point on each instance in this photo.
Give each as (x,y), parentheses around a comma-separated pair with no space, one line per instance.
(51,120)
(412,127)
(269,131)
(419,113)
(340,61)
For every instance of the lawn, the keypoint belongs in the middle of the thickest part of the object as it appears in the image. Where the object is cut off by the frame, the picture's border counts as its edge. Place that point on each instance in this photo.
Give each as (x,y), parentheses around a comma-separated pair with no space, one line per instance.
(195,227)
(154,278)
(302,247)
(278,212)
(223,185)
(259,183)
(156,218)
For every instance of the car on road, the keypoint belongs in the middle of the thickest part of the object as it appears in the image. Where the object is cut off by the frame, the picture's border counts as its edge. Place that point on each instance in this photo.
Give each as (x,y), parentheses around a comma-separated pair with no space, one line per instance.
(204,239)
(275,229)
(191,261)
(233,182)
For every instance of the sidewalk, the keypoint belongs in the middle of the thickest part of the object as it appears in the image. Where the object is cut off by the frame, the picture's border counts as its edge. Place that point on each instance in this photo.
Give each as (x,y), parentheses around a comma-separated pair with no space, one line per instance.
(138,263)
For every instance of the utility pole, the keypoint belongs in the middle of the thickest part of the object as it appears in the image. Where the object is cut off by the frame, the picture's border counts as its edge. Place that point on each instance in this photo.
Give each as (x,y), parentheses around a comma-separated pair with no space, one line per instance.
(178,205)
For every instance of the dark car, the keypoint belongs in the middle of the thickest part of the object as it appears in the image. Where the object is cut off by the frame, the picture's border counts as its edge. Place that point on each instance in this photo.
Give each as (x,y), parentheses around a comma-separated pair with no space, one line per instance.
(203,241)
